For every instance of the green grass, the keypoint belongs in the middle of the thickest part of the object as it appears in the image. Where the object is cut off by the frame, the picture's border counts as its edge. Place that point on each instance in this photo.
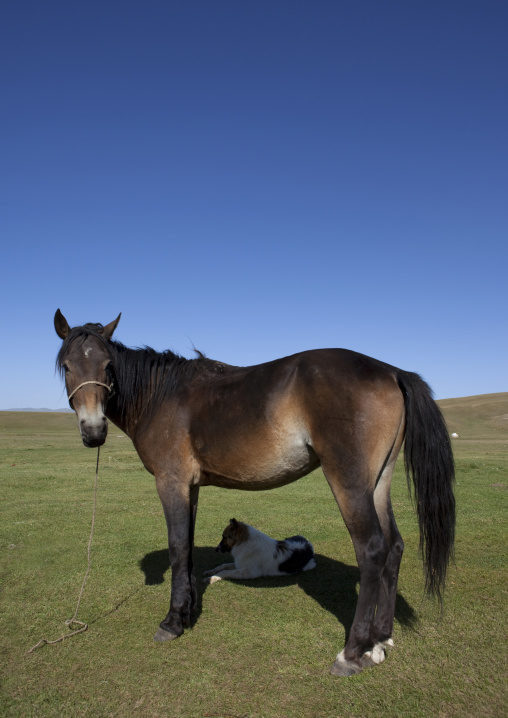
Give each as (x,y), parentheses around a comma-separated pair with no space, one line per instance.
(257,649)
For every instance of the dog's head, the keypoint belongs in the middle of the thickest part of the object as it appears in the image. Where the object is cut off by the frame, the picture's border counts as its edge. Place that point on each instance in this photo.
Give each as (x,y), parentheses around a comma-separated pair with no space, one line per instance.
(235,532)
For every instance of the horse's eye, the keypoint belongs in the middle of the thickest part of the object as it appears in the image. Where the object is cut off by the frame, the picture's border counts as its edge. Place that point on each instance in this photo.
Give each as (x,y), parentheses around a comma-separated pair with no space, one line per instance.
(65,368)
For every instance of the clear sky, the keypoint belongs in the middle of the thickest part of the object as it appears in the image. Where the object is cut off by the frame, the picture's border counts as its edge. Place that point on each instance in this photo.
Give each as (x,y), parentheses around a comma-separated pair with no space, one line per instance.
(256,178)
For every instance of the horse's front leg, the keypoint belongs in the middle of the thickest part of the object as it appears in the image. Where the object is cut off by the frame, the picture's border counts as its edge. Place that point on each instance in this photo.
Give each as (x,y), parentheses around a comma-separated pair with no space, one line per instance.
(180,505)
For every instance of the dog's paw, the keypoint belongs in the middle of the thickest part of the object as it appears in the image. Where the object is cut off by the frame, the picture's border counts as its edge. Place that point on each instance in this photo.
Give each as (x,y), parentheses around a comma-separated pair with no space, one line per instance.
(212,579)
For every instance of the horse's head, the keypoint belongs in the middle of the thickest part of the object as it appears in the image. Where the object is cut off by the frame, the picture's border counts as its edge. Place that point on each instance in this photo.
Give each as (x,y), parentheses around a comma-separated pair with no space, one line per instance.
(85,360)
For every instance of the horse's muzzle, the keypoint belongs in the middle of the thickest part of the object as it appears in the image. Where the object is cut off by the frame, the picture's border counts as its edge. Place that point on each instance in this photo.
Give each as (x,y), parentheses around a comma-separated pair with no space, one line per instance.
(93,434)
(93,442)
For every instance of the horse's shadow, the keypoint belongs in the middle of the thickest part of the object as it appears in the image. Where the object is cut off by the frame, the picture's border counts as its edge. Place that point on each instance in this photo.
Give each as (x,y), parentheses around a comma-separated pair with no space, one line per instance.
(332,584)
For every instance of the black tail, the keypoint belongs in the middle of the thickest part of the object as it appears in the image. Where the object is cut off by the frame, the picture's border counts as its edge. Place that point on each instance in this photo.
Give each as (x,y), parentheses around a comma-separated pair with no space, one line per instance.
(428,458)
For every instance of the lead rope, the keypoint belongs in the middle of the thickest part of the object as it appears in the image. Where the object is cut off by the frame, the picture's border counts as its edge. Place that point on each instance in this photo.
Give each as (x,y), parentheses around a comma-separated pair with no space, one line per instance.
(73,621)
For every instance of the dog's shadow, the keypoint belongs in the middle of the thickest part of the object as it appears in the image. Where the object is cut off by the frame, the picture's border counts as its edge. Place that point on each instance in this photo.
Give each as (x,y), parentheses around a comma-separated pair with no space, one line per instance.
(332,584)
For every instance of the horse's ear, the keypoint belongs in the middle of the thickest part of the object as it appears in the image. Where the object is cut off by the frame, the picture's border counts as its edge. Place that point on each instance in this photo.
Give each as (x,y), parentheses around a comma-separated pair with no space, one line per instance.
(107,331)
(61,326)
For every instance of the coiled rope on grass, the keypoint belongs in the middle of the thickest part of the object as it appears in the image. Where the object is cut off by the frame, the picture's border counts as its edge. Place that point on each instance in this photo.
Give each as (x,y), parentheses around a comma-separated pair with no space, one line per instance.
(73,621)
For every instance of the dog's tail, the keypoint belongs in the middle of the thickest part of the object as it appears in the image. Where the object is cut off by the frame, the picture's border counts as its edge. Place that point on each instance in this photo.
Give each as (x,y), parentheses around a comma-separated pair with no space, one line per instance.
(300,555)
(297,539)
(310,565)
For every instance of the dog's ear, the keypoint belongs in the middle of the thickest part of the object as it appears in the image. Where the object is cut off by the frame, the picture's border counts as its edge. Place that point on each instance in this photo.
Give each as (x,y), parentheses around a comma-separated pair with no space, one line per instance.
(234,523)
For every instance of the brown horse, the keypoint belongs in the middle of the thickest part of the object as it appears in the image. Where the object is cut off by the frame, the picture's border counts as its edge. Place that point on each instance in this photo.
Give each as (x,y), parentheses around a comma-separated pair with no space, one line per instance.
(200,422)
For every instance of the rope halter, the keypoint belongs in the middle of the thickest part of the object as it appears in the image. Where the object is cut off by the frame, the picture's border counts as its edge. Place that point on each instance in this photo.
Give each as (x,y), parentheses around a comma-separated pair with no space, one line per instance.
(109,387)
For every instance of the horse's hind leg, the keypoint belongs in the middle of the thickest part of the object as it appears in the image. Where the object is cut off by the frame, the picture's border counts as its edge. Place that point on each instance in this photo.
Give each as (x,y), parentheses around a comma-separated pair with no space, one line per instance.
(356,502)
(360,483)
(383,621)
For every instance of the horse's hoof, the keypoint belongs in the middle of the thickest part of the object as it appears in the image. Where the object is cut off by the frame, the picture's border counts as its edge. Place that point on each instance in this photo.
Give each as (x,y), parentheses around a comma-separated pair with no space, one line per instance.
(344,668)
(163,635)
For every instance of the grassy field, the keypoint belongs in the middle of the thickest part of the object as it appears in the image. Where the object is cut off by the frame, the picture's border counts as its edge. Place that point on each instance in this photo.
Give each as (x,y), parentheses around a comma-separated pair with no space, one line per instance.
(257,649)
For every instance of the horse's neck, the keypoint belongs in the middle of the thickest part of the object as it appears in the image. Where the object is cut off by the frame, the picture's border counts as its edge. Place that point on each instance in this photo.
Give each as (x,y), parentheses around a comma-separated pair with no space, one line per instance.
(115,416)
(123,419)
(134,405)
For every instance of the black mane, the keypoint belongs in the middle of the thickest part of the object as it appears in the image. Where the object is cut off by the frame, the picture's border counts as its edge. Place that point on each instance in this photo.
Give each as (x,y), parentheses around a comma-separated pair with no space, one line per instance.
(142,376)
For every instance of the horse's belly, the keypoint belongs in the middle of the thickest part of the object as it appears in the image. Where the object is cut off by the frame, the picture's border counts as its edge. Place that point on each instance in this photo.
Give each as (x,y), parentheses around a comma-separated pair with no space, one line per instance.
(257,470)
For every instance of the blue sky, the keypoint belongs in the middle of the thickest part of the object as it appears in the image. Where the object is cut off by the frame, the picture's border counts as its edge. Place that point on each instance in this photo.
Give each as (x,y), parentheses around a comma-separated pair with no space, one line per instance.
(255,179)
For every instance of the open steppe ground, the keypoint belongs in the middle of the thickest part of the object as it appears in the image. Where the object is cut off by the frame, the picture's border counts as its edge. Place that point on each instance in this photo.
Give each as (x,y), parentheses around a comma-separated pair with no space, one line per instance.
(257,649)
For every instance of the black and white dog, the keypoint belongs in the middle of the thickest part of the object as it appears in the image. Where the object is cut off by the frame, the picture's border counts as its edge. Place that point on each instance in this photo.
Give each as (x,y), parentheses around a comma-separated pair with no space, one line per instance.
(256,554)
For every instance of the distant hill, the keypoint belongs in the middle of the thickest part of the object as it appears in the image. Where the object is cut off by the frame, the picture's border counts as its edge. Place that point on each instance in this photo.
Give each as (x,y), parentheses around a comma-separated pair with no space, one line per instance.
(477,417)
(41,410)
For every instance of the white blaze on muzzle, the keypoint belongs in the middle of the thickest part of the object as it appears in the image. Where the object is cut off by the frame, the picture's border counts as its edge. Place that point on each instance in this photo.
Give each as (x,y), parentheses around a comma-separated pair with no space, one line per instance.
(91,419)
